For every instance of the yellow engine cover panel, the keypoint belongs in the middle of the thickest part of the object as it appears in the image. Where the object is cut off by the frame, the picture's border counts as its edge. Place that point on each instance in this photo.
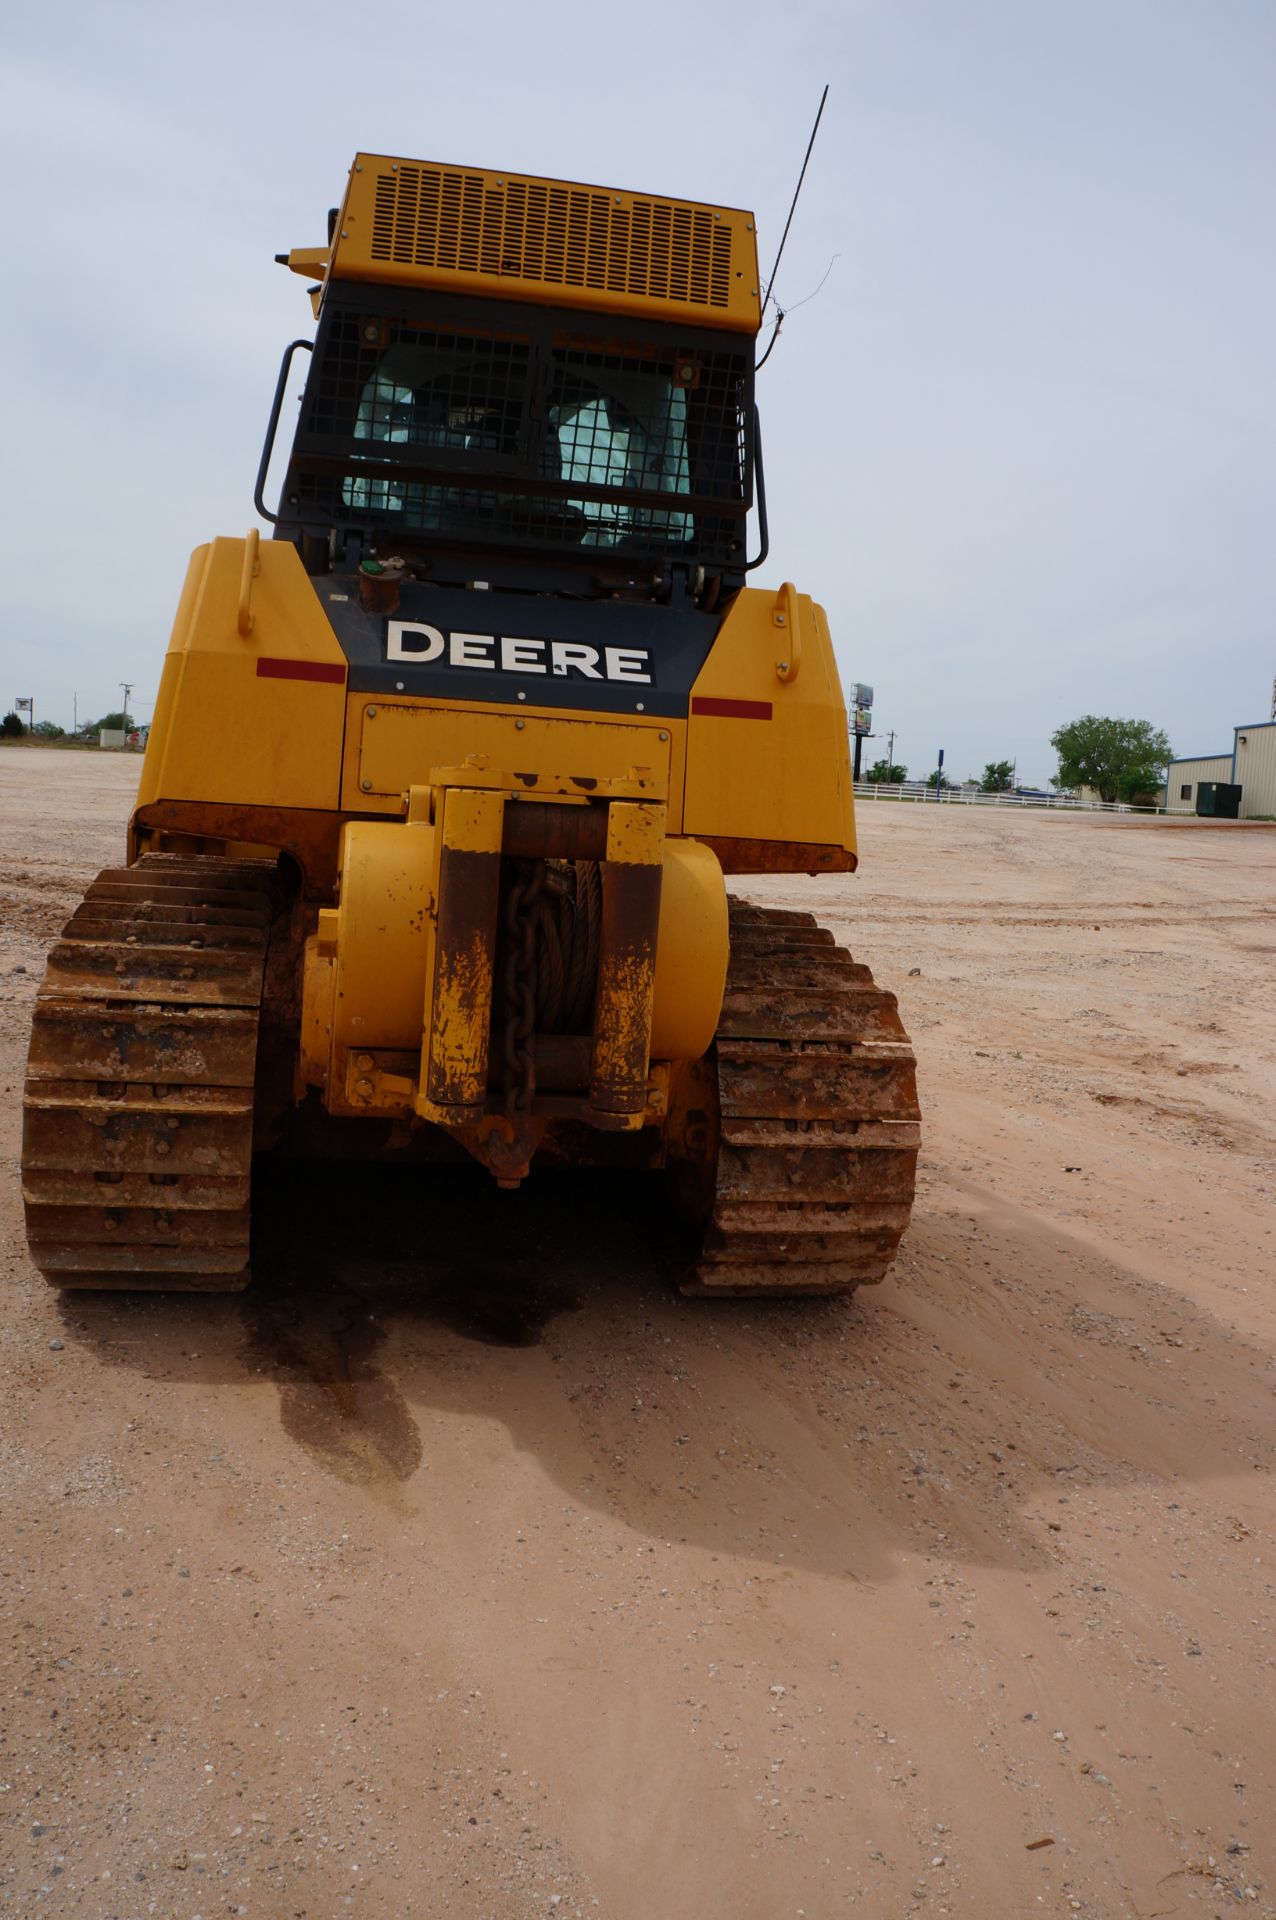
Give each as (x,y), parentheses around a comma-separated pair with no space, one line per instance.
(248,718)
(518,237)
(767,751)
(395,745)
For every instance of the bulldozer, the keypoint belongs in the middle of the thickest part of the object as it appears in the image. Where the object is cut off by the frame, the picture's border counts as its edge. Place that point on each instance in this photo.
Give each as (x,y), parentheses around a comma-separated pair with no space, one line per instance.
(448,775)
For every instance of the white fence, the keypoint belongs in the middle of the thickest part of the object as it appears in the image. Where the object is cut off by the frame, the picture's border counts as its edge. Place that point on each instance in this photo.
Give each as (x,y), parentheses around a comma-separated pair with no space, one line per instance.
(971,797)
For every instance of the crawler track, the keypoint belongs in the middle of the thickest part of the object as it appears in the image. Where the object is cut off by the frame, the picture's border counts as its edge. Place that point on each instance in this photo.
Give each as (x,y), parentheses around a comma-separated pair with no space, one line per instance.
(138,1109)
(818,1124)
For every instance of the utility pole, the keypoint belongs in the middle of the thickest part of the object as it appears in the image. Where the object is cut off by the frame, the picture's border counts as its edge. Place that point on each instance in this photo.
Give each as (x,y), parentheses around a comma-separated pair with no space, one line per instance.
(890,752)
(127,685)
(75,714)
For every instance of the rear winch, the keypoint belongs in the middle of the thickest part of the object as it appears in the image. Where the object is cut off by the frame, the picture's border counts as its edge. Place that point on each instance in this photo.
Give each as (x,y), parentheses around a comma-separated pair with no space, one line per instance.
(476,976)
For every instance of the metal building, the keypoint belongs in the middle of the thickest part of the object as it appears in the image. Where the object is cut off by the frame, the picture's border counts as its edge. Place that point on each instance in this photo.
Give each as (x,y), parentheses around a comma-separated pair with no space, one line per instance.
(1254,768)
(1250,765)
(1183,777)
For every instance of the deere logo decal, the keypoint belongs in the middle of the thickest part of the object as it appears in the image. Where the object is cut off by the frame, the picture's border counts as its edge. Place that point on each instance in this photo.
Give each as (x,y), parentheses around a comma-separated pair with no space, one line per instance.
(415,643)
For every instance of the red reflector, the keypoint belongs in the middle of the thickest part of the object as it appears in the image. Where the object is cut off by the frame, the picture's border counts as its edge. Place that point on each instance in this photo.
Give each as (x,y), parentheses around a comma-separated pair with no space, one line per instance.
(268,669)
(731,709)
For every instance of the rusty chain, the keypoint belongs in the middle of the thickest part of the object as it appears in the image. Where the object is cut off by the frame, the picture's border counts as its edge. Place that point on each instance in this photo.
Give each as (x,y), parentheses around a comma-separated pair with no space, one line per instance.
(520,988)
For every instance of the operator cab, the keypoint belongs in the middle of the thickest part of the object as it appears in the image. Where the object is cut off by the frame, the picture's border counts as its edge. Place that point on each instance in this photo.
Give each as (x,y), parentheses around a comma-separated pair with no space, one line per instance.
(429,433)
(590,436)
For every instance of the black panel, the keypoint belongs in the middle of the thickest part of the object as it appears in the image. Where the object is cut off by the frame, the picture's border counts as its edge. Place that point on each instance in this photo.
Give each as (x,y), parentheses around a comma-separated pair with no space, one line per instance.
(624,641)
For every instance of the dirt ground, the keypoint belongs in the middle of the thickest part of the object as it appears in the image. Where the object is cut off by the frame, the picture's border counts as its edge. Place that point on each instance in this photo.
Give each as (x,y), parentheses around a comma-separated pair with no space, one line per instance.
(462,1568)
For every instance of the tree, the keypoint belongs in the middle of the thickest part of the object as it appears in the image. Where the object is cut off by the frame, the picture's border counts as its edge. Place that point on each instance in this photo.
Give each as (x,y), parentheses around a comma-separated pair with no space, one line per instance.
(111,722)
(997,777)
(886,773)
(940,780)
(47,730)
(11,728)
(1116,757)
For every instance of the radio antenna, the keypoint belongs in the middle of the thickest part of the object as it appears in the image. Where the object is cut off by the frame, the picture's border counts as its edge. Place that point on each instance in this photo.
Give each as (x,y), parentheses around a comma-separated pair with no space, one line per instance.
(796,191)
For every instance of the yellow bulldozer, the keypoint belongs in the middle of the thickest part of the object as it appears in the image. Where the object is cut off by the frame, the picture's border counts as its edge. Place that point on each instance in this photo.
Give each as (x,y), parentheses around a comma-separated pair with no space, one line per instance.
(446,779)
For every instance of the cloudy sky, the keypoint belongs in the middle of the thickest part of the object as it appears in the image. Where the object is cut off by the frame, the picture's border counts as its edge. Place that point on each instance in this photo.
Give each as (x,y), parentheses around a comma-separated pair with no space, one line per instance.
(1020,444)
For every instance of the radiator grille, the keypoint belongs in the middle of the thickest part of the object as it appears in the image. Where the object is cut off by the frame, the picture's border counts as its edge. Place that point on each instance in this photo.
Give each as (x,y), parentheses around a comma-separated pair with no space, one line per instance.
(555,235)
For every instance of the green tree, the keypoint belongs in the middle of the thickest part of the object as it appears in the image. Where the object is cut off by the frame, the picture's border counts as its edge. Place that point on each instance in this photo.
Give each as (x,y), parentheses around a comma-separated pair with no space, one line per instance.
(1116,757)
(11,728)
(940,780)
(112,722)
(997,777)
(886,773)
(47,730)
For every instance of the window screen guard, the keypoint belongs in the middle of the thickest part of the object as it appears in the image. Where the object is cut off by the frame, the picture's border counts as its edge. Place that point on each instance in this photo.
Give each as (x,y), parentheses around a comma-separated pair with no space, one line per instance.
(428,419)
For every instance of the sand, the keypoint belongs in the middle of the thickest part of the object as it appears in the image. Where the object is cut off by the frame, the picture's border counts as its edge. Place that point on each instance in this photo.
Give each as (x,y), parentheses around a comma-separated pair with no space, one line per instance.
(462,1568)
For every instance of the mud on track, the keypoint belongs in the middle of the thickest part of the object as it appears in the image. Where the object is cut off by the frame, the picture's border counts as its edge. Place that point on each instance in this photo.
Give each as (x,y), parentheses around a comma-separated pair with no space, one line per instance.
(462,1568)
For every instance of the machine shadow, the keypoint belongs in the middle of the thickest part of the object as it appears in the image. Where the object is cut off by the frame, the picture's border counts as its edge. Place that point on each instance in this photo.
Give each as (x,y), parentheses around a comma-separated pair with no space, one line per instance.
(831,1436)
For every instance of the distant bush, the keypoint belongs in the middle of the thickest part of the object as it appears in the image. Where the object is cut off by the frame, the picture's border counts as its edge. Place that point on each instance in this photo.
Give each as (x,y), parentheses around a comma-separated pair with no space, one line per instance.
(11,728)
(47,730)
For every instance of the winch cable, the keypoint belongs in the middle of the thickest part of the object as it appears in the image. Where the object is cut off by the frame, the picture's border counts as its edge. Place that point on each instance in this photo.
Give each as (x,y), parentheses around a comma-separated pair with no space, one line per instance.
(553,935)
(568,928)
